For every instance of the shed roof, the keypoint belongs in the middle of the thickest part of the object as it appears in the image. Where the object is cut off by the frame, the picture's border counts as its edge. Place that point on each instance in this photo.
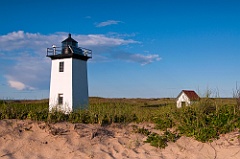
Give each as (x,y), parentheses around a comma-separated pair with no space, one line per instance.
(192,95)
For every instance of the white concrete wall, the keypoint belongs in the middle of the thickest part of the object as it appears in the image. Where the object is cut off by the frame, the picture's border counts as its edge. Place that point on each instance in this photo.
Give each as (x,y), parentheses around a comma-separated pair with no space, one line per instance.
(61,82)
(182,98)
(80,84)
(72,83)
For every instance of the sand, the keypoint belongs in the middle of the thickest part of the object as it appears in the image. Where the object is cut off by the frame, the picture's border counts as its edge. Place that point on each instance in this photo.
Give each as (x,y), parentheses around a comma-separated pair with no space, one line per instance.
(31,139)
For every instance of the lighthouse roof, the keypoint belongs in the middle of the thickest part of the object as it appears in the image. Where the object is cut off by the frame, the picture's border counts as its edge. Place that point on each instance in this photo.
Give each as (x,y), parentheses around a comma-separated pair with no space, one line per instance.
(69,39)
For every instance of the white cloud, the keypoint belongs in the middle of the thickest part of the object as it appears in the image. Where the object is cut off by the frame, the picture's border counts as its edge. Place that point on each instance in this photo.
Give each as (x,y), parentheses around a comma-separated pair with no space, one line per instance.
(17,85)
(138,58)
(28,68)
(88,17)
(32,71)
(102,40)
(109,22)
(38,42)
(122,35)
(144,59)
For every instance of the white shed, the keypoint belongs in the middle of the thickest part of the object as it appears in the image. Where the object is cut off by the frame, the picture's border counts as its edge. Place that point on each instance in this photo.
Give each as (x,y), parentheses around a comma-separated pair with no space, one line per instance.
(186,98)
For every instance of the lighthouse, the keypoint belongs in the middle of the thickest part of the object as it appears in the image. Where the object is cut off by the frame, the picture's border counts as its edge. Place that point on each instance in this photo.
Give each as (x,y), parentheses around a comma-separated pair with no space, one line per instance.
(68,84)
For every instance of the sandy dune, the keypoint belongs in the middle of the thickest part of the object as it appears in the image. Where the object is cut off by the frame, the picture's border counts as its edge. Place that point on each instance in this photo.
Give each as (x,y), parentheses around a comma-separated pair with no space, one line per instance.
(31,139)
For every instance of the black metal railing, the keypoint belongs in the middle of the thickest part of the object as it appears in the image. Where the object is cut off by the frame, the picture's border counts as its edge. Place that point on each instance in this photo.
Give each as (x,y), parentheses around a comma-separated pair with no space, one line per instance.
(69,50)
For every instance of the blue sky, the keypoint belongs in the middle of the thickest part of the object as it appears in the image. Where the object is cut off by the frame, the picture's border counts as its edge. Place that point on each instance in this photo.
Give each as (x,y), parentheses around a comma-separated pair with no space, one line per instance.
(145,49)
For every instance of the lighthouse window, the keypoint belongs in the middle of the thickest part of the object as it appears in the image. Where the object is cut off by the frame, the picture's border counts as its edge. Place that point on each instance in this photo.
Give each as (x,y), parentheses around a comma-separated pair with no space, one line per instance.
(60,98)
(61,66)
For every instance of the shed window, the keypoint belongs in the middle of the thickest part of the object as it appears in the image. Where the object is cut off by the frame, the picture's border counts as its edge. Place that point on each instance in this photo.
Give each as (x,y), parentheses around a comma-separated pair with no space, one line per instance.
(60,98)
(61,66)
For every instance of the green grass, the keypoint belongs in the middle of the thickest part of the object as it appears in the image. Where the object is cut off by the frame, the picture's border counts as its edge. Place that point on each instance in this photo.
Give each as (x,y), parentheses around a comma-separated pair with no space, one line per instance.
(101,111)
(203,121)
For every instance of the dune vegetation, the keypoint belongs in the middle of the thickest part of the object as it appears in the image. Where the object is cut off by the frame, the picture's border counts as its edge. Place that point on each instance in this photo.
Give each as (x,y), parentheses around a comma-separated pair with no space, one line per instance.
(204,121)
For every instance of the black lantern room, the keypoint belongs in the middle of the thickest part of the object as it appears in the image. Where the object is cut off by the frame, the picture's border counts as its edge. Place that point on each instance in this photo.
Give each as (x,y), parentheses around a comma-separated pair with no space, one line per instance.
(69,41)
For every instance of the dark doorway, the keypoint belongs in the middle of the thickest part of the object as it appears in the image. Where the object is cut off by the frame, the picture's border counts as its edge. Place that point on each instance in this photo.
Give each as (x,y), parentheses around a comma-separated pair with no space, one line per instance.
(183,104)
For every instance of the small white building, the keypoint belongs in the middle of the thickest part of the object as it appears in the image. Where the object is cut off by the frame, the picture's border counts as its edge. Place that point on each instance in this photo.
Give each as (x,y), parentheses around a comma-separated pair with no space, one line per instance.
(69,84)
(186,98)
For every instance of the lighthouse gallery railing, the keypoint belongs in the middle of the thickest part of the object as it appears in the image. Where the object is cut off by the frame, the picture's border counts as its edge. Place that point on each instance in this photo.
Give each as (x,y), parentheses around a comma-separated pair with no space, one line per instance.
(69,50)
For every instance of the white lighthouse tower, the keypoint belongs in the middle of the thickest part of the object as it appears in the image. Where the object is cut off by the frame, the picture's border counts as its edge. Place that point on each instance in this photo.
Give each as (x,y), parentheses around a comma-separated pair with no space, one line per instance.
(69,84)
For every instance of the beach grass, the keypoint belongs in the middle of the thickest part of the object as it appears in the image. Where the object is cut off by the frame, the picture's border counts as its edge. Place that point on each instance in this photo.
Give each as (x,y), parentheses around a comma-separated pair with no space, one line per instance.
(204,120)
